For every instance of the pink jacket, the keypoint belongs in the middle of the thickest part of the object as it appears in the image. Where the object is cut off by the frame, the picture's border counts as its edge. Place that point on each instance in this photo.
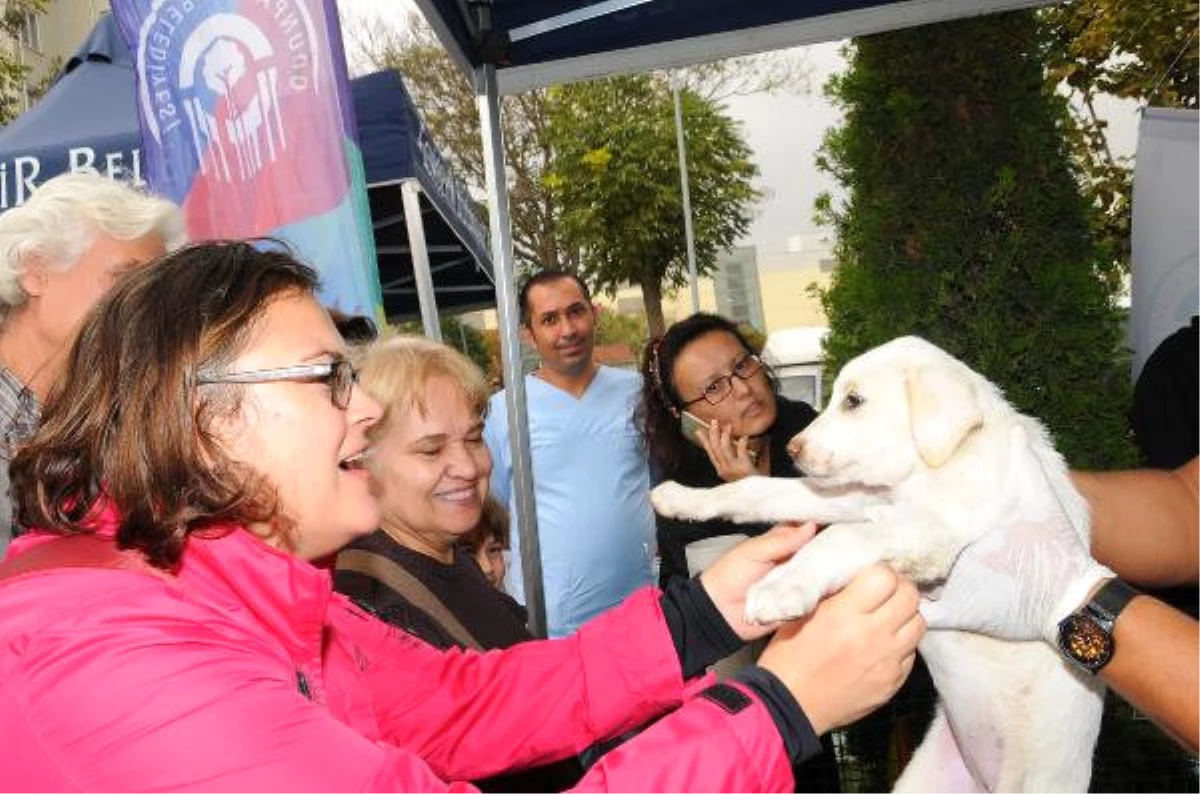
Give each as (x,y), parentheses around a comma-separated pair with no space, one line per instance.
(248,673)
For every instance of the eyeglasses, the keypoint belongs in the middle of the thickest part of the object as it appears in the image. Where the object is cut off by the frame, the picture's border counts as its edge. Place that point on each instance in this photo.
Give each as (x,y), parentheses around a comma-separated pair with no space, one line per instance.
(744,368)
(339,374)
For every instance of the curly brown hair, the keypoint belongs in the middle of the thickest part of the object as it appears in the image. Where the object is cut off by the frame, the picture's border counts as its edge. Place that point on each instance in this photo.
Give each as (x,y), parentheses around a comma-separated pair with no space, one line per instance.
(127,421)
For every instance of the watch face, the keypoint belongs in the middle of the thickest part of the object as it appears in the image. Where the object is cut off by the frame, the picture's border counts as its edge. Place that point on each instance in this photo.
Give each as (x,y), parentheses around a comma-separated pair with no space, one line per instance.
(1081,639)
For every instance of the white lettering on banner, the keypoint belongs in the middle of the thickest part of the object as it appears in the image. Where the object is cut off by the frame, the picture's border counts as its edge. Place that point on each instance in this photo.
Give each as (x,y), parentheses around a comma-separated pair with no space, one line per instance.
(25,178)
(113,162)
(80,159)
(224,78)
(448,187)
(18,182)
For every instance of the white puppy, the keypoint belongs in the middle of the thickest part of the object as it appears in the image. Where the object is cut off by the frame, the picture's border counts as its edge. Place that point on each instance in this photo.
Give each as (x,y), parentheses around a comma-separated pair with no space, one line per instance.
(916,456)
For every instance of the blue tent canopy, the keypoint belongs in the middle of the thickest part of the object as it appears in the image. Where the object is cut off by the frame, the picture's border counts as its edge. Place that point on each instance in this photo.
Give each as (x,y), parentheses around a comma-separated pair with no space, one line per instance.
(88,119)
(396,148)
(536,43)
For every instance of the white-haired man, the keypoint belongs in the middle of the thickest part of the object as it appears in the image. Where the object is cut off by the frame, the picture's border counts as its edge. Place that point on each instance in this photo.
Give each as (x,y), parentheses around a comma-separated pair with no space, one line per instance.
(59,252)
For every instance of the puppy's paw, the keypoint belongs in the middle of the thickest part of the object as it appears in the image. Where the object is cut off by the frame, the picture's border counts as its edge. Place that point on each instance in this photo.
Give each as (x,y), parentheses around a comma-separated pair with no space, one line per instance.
(672,500)
(781,595)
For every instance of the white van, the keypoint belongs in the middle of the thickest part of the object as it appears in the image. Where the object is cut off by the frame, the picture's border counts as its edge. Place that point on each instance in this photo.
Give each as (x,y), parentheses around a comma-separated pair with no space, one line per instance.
(795,355)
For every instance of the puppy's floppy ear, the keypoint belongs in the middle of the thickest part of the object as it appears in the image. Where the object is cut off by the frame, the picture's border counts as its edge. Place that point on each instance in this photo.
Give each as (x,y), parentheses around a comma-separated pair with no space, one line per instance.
(943,410)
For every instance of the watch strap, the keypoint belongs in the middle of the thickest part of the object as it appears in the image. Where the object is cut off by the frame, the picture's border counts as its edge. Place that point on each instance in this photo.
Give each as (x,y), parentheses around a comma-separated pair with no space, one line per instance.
(1108,602)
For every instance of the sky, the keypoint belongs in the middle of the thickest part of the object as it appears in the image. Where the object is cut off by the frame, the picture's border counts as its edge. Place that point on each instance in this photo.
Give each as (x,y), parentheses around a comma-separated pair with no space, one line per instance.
(784,130)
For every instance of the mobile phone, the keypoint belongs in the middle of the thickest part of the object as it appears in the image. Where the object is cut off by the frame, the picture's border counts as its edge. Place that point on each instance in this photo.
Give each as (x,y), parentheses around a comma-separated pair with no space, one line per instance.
(689,423)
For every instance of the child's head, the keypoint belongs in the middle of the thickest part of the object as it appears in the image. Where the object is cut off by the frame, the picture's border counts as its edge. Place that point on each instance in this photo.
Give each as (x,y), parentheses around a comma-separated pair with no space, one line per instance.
(488,540)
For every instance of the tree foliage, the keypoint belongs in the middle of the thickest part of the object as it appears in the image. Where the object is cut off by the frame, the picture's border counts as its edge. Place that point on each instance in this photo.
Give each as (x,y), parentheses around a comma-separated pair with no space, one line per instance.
(1144,50)
(447,103)
(616,328)
(617,177)
(13,72)
(448,106)
(465,338)
(964,223)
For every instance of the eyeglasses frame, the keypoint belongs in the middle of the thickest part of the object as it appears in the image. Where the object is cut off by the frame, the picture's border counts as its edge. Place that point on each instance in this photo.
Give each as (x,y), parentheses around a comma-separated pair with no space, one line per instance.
(326,372)
(728,379)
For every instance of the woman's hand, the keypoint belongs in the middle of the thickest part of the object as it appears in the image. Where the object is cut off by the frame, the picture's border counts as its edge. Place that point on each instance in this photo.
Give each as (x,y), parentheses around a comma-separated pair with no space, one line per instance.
(851,655)
(730,456)
(727,580)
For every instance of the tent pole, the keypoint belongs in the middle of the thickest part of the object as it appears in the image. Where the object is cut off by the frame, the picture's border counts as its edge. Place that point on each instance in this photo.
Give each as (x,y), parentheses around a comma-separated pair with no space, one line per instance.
(488,100)
(410,194)
(681,147)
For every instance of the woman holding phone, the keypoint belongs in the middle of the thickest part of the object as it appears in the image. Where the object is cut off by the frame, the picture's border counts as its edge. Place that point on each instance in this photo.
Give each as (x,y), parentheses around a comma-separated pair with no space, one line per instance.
(711,412)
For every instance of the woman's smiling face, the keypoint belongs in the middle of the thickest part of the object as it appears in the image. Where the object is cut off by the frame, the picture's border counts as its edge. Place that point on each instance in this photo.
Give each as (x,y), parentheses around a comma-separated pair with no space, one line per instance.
(431,469)
(292,433)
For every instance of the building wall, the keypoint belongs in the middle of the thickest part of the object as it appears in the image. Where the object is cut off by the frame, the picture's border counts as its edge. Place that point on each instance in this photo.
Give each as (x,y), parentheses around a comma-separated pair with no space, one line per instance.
(780,290)
(739,296)
(59,32)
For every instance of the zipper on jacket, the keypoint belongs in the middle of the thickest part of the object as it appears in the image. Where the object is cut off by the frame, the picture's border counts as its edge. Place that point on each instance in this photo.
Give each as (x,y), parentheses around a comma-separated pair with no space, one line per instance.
(302,684)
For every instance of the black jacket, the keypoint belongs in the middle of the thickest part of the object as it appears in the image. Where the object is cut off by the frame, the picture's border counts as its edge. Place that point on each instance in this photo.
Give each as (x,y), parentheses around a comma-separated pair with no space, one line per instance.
(675,534)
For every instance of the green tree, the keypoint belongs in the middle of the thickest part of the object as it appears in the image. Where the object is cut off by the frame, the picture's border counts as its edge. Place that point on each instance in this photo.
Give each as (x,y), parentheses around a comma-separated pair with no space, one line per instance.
(13,72)
(448,107)
(964,223)
(617,176)
(1144,50)
(447,103)
(466,339)
(627,329)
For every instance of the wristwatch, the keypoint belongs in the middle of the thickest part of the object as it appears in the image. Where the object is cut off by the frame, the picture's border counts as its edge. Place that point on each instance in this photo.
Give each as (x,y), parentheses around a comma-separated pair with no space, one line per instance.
(1085,636)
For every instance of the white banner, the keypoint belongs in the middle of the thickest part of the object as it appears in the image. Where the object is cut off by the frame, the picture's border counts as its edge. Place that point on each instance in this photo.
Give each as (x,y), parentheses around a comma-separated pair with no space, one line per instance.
(1166,229)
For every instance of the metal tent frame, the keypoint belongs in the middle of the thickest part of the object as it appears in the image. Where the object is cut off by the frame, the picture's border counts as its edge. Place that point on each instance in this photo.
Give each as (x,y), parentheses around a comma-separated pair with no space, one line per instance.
(509,46)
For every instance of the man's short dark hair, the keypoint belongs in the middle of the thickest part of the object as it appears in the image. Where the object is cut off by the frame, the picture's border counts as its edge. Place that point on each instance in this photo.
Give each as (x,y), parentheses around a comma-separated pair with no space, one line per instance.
(548,276)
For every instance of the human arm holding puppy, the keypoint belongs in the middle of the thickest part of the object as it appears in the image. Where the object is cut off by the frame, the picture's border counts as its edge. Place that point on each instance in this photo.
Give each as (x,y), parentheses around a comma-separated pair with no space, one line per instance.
(1144,522)
(1041,573)
(846,658)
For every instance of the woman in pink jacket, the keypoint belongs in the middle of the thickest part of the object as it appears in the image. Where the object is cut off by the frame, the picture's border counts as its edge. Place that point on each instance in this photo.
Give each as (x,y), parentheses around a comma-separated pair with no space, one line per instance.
(170,626)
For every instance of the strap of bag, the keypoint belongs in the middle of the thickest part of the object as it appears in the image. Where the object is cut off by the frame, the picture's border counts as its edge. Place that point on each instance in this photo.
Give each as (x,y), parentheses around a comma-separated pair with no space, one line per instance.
(76,551)
(409,587)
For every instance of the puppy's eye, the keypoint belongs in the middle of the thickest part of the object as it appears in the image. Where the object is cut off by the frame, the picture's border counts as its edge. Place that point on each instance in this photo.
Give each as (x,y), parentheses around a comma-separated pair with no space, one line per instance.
(852,400)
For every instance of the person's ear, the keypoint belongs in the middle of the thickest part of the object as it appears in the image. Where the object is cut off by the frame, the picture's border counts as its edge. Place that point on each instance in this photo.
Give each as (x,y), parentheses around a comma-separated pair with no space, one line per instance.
(527,336)
(34,277)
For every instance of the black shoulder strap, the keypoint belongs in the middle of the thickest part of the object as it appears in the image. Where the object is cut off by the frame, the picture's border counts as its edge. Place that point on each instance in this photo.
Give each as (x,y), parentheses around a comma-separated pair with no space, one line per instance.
(379,567)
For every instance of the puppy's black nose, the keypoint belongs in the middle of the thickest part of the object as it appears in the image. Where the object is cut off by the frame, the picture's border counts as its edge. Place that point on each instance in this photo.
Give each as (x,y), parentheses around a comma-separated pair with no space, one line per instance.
(795,447)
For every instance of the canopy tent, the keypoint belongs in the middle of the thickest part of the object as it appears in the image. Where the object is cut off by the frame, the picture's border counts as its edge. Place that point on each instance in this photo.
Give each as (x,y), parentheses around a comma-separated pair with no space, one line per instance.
(88,120)
(535,43)
(508,46)
(408,180)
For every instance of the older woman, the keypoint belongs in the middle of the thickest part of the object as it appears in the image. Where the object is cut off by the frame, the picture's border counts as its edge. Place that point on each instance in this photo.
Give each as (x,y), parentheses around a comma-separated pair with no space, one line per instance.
(166,626)
(430,471)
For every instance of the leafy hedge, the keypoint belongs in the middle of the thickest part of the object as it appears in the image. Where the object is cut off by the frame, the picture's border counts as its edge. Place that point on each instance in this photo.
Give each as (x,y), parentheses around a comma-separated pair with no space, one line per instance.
(964,223)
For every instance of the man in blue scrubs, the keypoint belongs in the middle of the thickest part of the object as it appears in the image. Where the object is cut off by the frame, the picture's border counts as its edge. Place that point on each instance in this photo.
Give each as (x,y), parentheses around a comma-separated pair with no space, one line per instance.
(591,481)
